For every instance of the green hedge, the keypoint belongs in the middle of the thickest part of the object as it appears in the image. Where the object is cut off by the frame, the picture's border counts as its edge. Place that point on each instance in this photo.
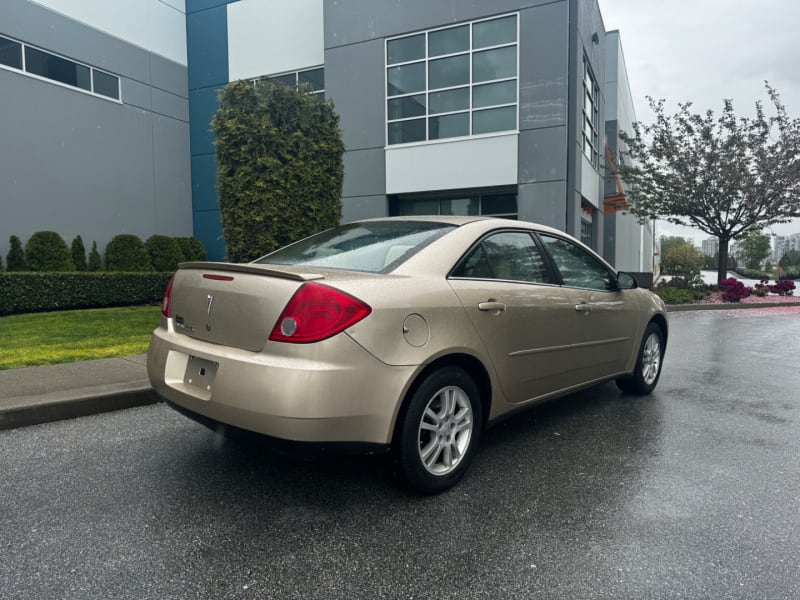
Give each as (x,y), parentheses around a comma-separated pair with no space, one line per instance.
(37,292)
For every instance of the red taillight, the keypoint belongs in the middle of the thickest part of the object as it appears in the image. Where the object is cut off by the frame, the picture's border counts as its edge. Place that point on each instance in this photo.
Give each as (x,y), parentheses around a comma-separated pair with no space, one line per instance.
(316,312)
(166,303)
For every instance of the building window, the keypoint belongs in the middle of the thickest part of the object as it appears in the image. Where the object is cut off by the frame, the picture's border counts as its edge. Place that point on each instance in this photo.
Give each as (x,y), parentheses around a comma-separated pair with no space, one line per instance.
(452,82)
(591,94)
(47,65)
(313,78)
(10,53)
(490,204)
(586,232)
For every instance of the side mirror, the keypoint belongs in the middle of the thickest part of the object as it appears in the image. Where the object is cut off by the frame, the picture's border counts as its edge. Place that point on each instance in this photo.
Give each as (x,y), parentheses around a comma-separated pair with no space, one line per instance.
(626,281)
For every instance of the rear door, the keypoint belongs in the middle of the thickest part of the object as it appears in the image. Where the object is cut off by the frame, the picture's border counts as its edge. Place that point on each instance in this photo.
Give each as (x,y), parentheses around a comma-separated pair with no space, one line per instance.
(524,321)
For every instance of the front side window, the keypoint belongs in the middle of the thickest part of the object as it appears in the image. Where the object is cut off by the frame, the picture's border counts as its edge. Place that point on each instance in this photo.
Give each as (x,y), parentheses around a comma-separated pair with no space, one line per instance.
(578,268)
(452,82)
(509,256)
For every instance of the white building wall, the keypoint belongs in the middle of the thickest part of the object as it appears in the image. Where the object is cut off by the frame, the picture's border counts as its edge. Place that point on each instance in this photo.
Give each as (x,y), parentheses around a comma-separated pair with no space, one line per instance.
(158,26)
(452,165)
(266,37)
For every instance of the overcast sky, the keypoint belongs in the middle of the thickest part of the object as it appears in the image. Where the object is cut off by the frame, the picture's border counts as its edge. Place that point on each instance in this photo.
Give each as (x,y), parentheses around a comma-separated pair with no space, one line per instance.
(705,51)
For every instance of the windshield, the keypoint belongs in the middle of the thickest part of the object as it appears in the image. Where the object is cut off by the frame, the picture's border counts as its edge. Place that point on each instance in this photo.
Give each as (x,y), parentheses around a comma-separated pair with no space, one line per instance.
(375,247)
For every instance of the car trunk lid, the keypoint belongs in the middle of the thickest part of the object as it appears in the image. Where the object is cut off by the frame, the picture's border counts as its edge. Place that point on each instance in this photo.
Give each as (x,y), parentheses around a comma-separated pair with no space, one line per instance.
(232,304)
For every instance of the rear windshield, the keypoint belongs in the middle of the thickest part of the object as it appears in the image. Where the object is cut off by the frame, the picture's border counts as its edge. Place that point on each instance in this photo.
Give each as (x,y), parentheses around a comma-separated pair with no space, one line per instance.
(374,247)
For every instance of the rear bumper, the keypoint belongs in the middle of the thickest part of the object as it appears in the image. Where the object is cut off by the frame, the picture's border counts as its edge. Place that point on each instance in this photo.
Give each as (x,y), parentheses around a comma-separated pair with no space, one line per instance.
(348,397)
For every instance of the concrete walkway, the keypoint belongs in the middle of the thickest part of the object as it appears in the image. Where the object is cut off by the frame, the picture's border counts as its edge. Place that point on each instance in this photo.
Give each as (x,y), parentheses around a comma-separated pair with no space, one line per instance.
(33,395)
(40,394)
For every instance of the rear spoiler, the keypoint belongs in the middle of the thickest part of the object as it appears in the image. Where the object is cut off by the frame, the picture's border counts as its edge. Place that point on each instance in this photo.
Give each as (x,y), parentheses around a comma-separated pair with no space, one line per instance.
(253,269)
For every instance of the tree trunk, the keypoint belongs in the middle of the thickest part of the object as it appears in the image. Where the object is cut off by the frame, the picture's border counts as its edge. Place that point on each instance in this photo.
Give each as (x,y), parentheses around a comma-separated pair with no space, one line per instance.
(722,266)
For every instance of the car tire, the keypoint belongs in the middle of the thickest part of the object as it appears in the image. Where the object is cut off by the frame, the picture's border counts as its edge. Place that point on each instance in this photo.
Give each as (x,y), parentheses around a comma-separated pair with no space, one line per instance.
(439,431)
(645,376)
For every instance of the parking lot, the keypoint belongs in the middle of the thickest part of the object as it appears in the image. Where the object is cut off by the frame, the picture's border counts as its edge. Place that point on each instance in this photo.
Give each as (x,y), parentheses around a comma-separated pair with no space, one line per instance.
(693,492)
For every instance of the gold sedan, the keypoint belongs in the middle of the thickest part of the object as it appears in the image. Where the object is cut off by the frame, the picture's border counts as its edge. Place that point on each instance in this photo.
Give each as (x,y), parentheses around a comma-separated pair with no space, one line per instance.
(410,334)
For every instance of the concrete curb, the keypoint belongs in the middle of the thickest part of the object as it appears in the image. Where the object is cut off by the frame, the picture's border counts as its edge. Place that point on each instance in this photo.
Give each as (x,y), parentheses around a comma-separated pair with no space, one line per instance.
(728,306)
(45,410)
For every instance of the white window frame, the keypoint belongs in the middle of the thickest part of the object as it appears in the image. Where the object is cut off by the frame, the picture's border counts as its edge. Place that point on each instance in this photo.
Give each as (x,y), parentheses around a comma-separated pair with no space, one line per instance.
(426,91)
(590,115)
(296,74)
(91,92)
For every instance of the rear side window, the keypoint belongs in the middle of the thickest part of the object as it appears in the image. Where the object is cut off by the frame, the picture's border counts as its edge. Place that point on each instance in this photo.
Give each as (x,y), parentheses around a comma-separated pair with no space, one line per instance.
(510,256)
(374,247)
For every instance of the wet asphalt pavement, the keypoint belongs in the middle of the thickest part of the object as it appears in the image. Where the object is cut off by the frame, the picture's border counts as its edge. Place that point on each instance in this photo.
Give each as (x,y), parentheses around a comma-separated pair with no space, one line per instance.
(693,492)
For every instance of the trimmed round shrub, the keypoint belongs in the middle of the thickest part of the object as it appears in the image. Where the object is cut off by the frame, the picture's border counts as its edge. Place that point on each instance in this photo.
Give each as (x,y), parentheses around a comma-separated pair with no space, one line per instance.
(192,248)
(165,252)
(126,252)
(47,251)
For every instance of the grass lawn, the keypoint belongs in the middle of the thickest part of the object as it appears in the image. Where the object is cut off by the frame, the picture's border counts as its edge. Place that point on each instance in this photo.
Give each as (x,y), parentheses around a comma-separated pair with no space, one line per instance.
(74,335)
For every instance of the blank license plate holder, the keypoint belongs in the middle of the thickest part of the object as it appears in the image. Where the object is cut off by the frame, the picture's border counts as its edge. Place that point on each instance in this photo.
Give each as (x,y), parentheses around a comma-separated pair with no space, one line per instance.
(200,373)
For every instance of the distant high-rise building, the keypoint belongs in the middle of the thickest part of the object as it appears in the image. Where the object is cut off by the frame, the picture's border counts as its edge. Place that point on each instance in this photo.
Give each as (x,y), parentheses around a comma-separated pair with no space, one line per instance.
(710,246)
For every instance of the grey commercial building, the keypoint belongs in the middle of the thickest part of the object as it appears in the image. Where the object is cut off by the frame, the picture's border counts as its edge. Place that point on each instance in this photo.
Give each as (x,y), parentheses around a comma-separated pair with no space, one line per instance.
(446,106)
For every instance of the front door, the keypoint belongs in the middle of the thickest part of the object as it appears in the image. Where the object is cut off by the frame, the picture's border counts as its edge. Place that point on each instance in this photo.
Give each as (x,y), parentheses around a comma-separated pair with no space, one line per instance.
(525,322)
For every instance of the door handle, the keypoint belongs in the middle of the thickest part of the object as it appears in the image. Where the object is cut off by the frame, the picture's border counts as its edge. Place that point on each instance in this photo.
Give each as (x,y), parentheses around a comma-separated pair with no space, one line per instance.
(583,307)
(492,305)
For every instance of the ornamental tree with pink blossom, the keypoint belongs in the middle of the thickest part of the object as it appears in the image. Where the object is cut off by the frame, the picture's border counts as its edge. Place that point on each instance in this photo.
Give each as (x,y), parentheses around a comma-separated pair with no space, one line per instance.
(727,176)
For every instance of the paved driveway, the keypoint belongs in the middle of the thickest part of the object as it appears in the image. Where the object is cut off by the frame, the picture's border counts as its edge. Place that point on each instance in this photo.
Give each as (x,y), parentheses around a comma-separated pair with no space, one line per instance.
(691,493)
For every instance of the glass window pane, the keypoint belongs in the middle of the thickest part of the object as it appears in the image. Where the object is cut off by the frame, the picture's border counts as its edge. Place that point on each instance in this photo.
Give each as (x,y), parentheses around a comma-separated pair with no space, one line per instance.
(419,207)
(407,106)
(449,101)
(494,32)
(403,132)
(10,53)
(448,126)
(57,68)
(406,79)
(494,64)
(515,257)
(289,79)
(448,41)
(578,268)
(492,94)
(106,85)
(460,206)
(448,72)
(313,77)
(405,49)
(499,204)
(494,119)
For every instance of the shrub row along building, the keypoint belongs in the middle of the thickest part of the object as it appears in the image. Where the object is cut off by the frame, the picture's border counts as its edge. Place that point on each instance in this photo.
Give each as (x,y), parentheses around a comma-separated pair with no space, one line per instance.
(508,108)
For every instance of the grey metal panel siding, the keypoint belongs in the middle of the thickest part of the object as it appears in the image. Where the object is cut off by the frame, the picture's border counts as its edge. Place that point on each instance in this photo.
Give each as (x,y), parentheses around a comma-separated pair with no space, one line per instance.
(543,203)
(542,155)
(83,165)
(354,80)
(544,57)
(352,21)
(363,207)
(365,173)
(41,27)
